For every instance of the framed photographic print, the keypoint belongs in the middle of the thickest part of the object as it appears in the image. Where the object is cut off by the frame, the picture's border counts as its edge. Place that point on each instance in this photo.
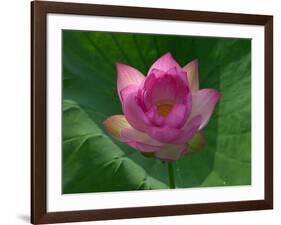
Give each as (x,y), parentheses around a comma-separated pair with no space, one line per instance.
(142,112)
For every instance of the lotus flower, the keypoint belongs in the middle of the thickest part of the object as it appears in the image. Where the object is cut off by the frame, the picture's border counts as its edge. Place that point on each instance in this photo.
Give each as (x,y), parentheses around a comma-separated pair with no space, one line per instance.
(164,110)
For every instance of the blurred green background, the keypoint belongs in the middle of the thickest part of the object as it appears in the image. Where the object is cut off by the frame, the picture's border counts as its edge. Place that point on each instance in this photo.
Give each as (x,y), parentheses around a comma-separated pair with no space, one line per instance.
(94,162)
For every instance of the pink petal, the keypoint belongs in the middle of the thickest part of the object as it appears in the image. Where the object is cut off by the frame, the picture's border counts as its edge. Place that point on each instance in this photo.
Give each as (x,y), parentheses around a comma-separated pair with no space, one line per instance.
(169,87)
(134,137)
(145,89)
(143,147)
(203,103)
(157,73)
(163,91)
(177,116)
(154,117)
(189,130)
(133,112)
(172,135)
(165,88)
(114,124)
(131,134)
(163,134)
(192,74)
(164,63)
(127,76)
(171,152)
(125,92)
(151,80)
(178,74)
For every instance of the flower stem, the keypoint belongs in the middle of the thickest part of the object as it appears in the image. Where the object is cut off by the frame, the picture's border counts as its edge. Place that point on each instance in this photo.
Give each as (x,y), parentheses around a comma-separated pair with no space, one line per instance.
(171,175)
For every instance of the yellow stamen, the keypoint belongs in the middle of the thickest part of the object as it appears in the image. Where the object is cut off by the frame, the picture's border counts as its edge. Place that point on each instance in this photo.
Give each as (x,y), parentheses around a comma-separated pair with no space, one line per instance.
(164,109)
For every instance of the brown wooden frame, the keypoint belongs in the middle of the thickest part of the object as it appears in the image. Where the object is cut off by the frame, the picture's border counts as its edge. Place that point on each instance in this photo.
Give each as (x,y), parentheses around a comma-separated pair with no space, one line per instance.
(39,11)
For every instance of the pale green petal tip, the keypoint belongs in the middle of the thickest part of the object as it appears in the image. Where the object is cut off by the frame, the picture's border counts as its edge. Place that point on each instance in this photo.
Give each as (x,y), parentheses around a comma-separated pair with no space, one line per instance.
(114,124)
(197,143)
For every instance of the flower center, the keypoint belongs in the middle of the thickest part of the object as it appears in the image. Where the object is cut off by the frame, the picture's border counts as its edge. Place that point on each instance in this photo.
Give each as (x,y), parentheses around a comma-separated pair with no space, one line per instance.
(164,109)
